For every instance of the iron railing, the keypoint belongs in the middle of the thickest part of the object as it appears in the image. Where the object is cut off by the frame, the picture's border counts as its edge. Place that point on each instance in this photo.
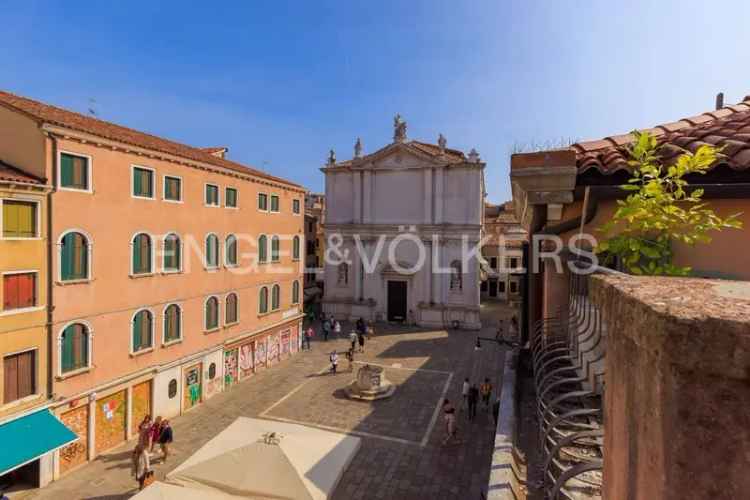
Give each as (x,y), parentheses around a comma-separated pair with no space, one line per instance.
(568,352)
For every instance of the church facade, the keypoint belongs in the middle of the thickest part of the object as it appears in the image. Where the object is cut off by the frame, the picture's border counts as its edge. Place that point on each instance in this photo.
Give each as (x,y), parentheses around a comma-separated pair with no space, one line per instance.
(402,230)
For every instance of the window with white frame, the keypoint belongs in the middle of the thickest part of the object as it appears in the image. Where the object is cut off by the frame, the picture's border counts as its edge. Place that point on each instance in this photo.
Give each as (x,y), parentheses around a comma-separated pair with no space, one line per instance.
(212,195)
(142,331)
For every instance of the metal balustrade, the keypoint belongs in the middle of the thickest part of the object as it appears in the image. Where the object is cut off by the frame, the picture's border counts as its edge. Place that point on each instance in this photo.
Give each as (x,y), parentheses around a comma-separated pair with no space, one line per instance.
(568,353)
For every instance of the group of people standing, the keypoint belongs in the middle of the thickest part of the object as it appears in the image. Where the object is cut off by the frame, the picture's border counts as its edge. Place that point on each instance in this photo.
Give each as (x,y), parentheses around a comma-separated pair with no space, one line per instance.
(149,435)
(470,397)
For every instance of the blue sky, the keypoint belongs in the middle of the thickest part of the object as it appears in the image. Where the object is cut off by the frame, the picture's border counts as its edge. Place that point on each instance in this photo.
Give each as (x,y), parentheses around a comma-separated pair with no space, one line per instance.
(280,83)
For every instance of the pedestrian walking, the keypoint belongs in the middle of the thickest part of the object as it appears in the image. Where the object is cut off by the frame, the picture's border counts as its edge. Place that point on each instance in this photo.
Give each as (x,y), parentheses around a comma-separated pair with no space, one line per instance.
(473,399)
(449,414)
(485,390)
(309,333)
(465,394)
(326,329)
(334,359)
(337,328)
(361,326)
(141,467)
(350,359)
(155,433)
(353,339)
(165,439)
(361,338)
(144,432)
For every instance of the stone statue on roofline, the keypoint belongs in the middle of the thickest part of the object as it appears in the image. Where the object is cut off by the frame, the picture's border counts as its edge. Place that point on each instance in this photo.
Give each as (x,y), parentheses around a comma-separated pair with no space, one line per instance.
(442,142)
(358,148)
(331,157)
(399,129)
(473,156)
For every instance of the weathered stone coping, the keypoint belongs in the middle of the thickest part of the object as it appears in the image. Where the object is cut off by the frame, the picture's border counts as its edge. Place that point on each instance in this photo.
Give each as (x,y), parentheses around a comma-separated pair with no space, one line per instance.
(701,325)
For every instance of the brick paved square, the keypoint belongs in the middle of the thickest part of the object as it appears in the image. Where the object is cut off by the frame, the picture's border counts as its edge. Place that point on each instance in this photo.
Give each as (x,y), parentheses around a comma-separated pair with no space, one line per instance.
(407,415)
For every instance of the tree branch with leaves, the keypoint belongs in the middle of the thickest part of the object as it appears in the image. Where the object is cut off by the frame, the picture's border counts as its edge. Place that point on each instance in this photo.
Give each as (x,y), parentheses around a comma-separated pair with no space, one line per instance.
(661,209)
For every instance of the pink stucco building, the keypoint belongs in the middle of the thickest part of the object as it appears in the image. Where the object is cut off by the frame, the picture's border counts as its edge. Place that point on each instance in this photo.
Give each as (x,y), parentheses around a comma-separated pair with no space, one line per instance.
(173,271)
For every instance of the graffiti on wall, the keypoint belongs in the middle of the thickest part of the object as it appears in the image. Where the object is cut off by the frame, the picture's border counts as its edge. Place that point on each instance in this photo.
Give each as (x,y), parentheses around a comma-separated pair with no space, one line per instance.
(230,367)
(260,352)
(246,360)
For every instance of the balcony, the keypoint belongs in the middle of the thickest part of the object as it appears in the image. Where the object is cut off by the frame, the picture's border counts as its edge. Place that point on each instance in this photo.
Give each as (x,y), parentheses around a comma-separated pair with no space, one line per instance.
(639,389)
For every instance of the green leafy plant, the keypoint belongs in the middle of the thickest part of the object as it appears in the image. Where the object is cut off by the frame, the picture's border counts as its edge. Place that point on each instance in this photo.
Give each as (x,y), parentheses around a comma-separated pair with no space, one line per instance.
(661,208)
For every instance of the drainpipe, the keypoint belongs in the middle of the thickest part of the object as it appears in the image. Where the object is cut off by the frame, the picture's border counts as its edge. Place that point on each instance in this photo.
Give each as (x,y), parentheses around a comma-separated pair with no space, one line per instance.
(51,351)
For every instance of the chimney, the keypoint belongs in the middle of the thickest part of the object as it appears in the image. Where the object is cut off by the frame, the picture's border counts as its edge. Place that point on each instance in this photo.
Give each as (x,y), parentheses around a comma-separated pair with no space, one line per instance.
(720,100)
(219,152)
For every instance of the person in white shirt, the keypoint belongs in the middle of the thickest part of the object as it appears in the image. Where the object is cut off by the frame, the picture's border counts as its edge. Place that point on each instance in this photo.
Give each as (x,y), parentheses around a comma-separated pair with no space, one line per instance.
(465,394)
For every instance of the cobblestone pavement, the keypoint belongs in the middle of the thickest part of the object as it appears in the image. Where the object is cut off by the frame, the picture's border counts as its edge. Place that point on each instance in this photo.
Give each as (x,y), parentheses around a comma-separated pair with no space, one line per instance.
(401,455)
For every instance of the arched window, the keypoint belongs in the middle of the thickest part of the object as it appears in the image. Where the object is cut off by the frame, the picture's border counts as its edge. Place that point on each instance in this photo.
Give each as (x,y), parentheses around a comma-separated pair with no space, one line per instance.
(295,248)
(343,274)
(142,252)
(230,250)
(143,329)
(263,300)
(262,248)
(456,276)
(172,253)
(295,292)
(275,245)
(75,343)
(212,313)
(230,309)
(212,371)
(212,251)
(172,323)
(275,297)
(74,257)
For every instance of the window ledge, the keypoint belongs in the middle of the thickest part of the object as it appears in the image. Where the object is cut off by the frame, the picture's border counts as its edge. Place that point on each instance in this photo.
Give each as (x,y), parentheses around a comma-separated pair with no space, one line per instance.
(172,342)
(231,266)
(20,402)
(137,197)
(261,315)
(165,200)
(142,351)
(230,325)
(211,206)
(21,238)
(212,330)
(211,268)
(75,190)
(172,271)
(73,373)
(141,275)
(22,310)
(232,208)
(73,282)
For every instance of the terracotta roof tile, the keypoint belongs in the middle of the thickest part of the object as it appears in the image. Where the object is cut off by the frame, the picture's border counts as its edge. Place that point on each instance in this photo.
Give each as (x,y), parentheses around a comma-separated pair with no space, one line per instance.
(9,173)
(728,127)
(45,113)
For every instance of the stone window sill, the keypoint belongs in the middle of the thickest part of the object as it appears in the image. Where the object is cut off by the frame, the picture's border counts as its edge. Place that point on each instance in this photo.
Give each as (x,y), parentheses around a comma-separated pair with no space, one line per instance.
(212,330)
(82,281)
(172,342)
(73,373)
(141,352)
(141,275)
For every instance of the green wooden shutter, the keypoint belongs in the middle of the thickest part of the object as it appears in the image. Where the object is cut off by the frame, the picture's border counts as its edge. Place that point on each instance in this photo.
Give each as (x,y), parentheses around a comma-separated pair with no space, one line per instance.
(137,326)
(66,257)
(67,348)
(66,170)
(137,184)
(262,249)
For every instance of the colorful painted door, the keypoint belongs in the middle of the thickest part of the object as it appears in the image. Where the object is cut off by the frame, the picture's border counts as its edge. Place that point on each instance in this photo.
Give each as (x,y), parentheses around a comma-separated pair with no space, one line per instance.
(75,454)
(231,367)
(110,421)
(141,404)
(192,391)
(261,353)
(285,347)
(273,349)
(246,361)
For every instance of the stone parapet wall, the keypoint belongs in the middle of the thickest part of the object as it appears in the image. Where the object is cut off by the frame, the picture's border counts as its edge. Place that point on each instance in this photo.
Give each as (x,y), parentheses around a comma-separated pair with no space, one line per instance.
(677,387)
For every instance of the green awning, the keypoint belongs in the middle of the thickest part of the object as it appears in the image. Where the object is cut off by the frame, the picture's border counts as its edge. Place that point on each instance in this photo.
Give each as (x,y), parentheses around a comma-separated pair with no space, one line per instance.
(31,436)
